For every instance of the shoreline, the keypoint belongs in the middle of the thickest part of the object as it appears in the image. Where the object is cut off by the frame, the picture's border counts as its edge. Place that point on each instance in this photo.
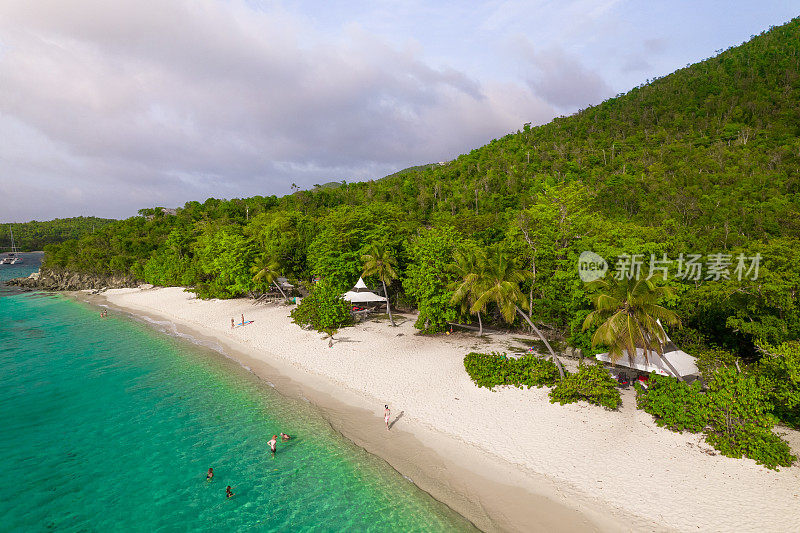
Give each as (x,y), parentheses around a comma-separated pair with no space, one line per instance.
(487,491)
(506,460)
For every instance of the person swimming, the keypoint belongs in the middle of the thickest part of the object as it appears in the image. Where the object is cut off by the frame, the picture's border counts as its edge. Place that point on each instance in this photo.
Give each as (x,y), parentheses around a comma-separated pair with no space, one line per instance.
(210,474)
(273,442)
(284,436)
(228,492)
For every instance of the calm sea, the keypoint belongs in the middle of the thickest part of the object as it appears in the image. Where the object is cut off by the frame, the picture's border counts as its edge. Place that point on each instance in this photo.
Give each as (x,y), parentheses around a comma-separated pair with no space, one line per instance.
(108,425)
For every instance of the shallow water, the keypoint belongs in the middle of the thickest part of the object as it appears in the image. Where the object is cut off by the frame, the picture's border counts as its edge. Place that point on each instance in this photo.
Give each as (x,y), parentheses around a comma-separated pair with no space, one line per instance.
(109,425)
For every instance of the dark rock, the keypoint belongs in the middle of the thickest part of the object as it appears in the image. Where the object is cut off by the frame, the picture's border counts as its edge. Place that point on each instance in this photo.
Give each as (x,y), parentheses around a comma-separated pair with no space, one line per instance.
(64,280)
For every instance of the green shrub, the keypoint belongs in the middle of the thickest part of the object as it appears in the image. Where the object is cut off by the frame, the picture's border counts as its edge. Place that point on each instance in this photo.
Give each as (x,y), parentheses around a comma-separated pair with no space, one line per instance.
(674,404)
(486,369)
(323,309)
(734,413)
(712,359)
(759,444)
(493,369)
(532,371)
(592,383)
(740,420)
(780,365)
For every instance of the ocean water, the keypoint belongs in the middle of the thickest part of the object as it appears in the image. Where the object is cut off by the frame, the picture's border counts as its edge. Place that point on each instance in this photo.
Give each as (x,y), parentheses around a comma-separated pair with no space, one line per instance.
(108,425)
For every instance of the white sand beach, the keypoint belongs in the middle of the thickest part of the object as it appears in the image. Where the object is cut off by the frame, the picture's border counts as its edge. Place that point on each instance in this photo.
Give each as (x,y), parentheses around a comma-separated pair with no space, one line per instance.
(509,459)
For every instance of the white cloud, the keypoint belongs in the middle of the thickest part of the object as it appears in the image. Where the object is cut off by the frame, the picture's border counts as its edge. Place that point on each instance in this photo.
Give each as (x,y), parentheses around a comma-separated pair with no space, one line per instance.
(173,101)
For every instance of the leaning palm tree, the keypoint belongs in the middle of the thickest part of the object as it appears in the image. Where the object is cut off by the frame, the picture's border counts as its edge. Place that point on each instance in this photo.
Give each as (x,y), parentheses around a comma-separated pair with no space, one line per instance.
(629,317)
(466,290)
(378,261)
(267,269)
(500,285)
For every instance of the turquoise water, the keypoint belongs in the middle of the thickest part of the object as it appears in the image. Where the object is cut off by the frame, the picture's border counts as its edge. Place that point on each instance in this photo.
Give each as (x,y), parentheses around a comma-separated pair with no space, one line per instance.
(110,426)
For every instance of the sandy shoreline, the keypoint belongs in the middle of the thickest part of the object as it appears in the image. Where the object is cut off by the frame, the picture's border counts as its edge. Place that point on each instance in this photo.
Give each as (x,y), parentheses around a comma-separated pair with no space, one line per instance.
(507,460)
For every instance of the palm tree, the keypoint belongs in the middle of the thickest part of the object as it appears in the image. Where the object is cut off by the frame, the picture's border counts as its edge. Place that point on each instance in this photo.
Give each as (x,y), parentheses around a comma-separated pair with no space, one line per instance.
(267,269)
(629,316)
(501,286)
(466,290)
(378,261)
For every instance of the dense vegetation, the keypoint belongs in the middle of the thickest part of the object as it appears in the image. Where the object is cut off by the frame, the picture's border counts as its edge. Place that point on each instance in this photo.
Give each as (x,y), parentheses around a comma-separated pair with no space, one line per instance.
(697,172)
(733,412)
(495,369)
(591,384)
(34,235)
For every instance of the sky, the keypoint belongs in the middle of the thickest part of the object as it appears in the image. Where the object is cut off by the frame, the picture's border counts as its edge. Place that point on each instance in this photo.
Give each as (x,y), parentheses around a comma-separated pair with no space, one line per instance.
(107,107)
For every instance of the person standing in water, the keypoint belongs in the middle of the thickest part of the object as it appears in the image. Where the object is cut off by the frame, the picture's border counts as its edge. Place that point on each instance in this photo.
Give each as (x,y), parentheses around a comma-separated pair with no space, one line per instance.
(228,492)
(210,474)
(386,414)
(273,441)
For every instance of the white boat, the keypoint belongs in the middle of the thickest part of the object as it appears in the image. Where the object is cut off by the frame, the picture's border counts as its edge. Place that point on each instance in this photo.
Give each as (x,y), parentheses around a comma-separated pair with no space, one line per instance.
(13,256)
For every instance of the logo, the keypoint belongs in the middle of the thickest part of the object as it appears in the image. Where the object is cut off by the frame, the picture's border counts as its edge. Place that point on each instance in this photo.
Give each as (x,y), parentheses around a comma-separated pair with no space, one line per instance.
(591,267)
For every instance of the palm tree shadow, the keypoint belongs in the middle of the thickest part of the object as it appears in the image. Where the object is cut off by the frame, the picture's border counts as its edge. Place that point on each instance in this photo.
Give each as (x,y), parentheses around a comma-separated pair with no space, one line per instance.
(393,422)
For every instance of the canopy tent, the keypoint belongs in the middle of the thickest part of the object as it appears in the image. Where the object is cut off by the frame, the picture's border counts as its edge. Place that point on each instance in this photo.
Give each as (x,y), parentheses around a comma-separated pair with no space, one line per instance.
(360,294)
(683,363)
(360,286)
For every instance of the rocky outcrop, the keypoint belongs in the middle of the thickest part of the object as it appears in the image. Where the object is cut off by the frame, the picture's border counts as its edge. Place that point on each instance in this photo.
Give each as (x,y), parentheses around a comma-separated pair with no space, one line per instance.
(64,280)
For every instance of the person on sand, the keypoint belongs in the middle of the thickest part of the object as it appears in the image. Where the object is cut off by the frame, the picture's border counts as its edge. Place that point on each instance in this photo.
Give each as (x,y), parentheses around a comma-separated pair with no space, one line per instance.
(233,325)
(228,492)
(284,436)
(272,443)
(330,342)
(210,474)
(386,414)
(243,319)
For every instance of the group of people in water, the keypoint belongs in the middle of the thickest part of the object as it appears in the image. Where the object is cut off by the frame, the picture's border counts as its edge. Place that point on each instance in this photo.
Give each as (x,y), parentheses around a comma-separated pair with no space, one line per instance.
(273,448)
(104,313)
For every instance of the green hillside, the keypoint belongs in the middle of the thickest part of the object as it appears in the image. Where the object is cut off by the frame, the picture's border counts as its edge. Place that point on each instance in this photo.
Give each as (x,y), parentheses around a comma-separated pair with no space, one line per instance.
(34,235)
(704,161)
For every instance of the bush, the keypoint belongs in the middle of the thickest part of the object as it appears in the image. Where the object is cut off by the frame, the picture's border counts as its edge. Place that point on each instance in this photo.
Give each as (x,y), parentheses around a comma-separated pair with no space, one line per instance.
(674,404)
(740,419)
(759,444)
(734,412)
(493,369)
(712,359)
(592,383)
(780,365)
(323,309)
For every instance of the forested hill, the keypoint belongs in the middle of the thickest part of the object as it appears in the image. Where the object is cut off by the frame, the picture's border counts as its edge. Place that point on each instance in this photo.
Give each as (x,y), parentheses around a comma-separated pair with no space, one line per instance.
(34,235)
(704,161)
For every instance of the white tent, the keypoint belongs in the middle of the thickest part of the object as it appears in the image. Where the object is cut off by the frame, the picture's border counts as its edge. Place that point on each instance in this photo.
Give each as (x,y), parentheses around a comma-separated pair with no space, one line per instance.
(360,294)
(682,361)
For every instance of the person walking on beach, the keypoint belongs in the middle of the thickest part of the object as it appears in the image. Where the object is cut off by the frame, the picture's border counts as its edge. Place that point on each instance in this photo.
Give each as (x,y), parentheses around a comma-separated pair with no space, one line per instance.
(232,324)
(210,474)
(386,414)
(228,492)
(243,319)
(272,443)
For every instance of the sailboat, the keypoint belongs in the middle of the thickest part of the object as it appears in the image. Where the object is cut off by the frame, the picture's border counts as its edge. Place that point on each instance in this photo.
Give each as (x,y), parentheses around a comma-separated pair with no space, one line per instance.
(13,256)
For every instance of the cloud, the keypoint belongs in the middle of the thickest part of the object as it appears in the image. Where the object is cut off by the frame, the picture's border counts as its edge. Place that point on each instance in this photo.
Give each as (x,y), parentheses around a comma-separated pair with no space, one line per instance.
(138,103)
(560,78)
